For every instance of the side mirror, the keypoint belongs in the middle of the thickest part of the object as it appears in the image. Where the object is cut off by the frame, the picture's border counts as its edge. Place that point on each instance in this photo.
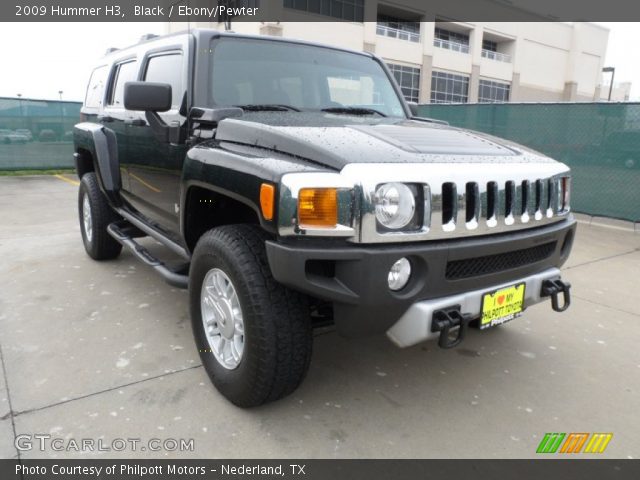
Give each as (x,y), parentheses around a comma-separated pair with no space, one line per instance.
(147,96)
(413,106)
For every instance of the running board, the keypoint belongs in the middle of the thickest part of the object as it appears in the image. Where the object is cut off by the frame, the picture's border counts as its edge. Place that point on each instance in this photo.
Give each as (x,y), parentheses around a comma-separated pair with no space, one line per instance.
(124,234)
(136,222)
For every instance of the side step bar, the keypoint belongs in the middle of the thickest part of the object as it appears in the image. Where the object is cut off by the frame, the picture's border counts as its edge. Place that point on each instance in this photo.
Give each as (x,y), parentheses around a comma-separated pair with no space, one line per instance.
(125,234)
(133,220)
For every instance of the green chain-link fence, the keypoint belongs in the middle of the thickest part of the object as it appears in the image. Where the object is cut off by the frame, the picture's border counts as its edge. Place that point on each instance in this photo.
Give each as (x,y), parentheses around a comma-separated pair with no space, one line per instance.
(36,134)
(599,141)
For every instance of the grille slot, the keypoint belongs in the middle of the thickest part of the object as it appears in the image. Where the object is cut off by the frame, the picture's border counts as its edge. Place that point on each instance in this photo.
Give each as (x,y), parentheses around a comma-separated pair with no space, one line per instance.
(473,267)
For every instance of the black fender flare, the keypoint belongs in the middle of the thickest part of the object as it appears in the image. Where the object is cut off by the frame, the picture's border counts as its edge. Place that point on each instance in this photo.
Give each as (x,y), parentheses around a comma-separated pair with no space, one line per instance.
(103,145)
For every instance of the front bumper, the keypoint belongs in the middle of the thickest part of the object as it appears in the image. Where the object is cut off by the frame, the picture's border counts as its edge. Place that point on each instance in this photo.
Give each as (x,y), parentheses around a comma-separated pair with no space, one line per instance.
(415,325)
(354,278)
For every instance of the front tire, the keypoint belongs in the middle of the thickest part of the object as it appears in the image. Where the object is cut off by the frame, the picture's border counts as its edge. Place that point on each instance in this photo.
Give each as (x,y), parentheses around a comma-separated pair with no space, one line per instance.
(95,216)
(253,334)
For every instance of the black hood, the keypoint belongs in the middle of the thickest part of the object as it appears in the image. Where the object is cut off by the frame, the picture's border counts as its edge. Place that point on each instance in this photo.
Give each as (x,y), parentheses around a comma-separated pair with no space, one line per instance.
(400,141)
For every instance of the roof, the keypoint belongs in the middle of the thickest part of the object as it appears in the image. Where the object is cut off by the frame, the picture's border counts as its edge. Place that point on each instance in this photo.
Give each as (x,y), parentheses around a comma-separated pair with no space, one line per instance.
(219,33)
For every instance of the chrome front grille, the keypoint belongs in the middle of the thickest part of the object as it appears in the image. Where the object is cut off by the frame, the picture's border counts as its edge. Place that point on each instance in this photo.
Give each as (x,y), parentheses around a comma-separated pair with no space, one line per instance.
(464,199)
(487,205)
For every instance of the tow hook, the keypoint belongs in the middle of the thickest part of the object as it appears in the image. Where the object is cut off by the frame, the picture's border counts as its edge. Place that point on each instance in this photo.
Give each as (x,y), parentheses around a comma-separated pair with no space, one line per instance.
(552,288)
(446,319)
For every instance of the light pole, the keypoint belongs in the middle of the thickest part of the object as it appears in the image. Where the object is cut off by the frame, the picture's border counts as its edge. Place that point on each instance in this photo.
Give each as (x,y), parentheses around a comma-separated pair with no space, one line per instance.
(19,95)
(611,70)
(60,92)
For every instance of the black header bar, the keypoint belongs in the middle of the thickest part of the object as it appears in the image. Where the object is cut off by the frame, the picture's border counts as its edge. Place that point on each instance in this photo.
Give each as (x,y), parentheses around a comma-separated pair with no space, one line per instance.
(319,469)
(315,10)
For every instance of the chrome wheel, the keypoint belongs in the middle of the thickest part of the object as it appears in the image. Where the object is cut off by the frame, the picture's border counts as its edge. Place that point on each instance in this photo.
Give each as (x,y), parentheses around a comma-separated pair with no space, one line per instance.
(86,218)
(222,318)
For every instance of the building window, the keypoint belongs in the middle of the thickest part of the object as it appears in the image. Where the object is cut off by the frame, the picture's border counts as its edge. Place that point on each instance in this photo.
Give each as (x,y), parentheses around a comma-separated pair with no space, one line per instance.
(449,88)
(409,80)
(490,45)
(458,42)
(351,10)
(493,92)
(394,27)
(490,51)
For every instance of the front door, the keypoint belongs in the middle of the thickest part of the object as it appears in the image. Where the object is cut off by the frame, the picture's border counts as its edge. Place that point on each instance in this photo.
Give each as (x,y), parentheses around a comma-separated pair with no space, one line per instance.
(155,167)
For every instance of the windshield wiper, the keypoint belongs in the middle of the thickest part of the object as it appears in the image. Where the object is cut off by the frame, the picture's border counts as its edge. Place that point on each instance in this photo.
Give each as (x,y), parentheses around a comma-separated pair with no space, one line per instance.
(268,107)
(353,111)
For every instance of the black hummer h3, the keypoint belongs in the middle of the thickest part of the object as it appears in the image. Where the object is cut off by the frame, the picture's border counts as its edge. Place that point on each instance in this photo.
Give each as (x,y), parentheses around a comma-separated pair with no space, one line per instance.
(300,190)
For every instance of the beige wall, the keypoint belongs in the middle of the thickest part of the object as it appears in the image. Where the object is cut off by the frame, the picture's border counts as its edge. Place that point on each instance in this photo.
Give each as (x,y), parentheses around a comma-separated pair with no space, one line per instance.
(551,61)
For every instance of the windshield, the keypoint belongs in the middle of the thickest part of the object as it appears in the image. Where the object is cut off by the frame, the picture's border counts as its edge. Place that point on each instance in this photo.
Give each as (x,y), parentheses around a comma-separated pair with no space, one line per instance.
(248,72)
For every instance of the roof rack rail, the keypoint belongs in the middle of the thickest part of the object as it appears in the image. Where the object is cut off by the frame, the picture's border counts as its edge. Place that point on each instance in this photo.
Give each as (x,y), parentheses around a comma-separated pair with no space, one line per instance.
(148,36)
(111,50)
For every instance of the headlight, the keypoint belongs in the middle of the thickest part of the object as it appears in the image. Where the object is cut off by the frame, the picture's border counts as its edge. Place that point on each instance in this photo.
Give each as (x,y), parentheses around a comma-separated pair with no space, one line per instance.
(395,205)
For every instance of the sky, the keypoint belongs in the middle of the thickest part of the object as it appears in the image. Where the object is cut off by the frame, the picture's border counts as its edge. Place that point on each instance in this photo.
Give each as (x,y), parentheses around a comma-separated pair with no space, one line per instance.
(61,56)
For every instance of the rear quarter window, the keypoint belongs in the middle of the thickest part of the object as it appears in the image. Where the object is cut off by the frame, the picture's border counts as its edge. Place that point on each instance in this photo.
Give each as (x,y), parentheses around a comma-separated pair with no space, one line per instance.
(95,89)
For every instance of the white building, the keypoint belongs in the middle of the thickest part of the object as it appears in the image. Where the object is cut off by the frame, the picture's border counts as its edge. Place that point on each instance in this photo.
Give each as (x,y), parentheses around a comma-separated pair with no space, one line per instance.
(620,92)
(445,61)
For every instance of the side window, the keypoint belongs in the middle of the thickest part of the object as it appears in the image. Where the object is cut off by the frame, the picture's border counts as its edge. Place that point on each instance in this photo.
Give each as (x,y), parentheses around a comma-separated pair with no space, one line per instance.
(167,68)
(126,72)
(95,89)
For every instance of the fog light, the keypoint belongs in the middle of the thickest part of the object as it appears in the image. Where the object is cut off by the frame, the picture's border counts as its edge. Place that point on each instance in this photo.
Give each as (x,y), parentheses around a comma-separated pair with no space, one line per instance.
(399,274)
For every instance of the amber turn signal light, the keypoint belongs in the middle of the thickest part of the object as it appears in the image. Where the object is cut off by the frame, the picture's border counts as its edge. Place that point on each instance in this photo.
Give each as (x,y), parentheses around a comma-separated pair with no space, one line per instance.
(318,207)
(267,198)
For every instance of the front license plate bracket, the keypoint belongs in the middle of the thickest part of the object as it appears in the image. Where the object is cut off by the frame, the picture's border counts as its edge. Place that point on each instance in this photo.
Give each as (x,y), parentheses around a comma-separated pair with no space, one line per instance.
(502,305)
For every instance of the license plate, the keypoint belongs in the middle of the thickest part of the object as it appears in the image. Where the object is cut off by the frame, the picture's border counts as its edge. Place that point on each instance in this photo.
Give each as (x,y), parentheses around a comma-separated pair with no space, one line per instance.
(502,305)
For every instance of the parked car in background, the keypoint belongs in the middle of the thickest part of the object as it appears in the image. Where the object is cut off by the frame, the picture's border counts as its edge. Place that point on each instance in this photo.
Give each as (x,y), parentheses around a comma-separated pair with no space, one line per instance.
(9,136)
(26,132)
(47,135)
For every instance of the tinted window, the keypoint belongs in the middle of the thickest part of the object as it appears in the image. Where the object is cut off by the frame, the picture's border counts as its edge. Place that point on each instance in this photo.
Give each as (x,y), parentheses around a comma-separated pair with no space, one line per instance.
(95,90)
(127,72)
(247,71)
(167,69)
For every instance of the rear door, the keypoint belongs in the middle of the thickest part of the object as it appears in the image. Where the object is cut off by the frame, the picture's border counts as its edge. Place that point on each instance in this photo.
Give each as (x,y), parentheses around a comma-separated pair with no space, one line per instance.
(115,117)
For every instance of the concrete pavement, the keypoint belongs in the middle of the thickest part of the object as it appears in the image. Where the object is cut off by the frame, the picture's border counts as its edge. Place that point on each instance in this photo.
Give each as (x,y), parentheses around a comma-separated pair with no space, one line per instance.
(104,350)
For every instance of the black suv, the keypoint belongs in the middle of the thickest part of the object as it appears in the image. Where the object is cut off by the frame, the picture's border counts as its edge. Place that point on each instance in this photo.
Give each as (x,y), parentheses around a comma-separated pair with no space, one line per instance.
(300,190)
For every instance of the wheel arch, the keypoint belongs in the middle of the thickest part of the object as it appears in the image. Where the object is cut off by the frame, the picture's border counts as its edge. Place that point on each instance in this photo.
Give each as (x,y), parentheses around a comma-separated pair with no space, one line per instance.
(206,207)
(96,149)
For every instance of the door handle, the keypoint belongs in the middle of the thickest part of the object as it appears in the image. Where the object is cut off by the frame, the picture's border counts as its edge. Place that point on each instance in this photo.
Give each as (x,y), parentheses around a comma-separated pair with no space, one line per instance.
(105,118)
(136,122)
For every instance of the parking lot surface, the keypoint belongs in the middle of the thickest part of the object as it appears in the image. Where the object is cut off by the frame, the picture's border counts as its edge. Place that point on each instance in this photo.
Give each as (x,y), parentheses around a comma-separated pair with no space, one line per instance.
(105,351)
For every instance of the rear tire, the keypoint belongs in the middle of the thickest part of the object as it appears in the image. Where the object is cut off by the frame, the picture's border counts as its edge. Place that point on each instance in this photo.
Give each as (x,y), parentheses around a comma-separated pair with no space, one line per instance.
(95,215)
(271,339)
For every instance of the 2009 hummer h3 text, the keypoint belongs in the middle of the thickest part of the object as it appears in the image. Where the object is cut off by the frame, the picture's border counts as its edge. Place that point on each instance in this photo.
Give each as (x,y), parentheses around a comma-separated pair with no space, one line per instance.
(300,190)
